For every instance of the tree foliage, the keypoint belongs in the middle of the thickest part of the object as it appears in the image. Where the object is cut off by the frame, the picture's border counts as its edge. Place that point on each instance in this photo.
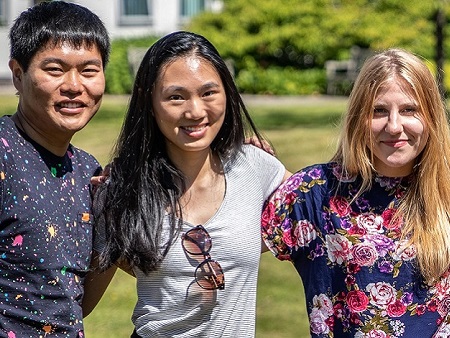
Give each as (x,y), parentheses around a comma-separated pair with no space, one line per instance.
(304,34)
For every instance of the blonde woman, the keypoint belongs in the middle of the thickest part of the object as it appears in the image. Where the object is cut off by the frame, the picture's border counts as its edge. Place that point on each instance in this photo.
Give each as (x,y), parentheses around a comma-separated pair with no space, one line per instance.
(369,232)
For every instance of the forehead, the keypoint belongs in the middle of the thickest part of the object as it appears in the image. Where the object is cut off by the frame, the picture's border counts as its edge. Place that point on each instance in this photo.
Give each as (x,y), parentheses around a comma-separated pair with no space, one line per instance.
(187,64)
(396,85)
(66,51)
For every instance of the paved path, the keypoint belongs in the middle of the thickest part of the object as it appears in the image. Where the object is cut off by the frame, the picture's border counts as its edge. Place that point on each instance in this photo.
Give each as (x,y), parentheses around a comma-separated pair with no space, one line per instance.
(7,89)
(285,100)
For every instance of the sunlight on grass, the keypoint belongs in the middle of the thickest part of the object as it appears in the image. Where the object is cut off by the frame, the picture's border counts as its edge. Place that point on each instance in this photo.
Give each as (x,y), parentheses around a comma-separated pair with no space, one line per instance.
(9,104)
(112,316)
(281,312)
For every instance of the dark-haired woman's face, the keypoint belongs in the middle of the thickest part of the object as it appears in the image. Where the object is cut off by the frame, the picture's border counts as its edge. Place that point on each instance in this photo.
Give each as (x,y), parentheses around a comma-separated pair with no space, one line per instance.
(189,104)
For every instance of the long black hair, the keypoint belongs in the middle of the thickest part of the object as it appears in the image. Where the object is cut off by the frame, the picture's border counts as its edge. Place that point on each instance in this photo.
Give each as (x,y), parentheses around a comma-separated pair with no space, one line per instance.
(144,184)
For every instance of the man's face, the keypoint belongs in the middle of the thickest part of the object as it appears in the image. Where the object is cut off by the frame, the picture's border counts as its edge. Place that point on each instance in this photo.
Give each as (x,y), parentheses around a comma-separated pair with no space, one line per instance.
(60,92)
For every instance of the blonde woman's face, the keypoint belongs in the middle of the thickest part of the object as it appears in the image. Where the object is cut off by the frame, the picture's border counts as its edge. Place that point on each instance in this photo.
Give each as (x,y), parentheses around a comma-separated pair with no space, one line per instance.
(399,135)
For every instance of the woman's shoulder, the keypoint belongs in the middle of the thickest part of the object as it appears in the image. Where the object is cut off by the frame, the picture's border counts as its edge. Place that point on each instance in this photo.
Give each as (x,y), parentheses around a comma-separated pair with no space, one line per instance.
(325,176)
(251,155)
(323,170)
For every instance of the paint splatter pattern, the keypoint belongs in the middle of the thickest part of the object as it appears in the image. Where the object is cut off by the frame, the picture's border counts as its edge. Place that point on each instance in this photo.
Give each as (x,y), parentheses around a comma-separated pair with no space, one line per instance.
(45,236)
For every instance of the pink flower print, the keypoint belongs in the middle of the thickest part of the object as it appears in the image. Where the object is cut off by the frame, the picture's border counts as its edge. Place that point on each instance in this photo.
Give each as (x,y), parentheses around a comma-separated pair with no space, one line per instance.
(339,248)
(376,334)
(289,198)
(268,215)
(292,183)
(432,305)
(389,222)
(288,239)
(340,206)
(357,301)
(443,306)
(396,309)
(421,309)
(382,243)
(304,233)
(443,331)
(11,334)
(381,294)
(18,241)
(371,222)
(317,322)
(356,230)
(442,288)
(364,254)
(324,304)
(404,251)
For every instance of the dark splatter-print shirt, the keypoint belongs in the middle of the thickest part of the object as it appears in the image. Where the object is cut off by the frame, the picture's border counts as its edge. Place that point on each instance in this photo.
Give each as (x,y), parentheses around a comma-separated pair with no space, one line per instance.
(45,236)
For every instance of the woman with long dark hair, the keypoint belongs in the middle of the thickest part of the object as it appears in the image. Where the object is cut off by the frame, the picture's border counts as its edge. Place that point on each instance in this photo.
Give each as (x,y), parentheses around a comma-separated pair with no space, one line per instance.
(181,208)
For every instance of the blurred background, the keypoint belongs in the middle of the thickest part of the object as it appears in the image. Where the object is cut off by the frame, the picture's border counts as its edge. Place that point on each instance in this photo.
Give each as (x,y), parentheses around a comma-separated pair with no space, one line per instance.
(277,47)
(294,62)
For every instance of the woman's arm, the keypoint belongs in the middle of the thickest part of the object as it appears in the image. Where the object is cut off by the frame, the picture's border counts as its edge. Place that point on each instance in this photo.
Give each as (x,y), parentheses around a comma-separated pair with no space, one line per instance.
(95,285)
(264,247)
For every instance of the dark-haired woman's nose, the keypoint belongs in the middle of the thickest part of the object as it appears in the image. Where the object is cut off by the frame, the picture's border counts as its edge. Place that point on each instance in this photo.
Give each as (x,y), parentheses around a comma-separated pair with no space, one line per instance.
(195,109)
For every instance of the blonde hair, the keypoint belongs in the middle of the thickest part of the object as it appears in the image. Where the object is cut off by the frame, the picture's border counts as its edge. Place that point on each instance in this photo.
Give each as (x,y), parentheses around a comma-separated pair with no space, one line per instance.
(425,208)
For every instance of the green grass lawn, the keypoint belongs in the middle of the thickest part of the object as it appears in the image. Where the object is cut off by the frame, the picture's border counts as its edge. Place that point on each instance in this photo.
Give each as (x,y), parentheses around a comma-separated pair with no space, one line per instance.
(301,135)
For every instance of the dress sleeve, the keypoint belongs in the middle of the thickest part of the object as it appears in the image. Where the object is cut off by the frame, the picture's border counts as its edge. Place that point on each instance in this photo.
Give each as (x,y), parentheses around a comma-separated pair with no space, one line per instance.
(290,217)
(275,216)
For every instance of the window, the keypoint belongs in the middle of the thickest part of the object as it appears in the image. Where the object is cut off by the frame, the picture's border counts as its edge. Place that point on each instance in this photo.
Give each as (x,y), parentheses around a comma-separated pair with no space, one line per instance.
(190,8)
(135,12)
(3,19)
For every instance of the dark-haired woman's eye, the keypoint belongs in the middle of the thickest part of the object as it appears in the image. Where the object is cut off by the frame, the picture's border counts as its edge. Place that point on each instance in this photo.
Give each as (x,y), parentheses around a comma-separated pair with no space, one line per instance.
(175,98)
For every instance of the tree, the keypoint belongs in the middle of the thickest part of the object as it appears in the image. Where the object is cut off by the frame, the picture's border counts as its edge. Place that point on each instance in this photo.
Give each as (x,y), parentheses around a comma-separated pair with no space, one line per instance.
(306,33)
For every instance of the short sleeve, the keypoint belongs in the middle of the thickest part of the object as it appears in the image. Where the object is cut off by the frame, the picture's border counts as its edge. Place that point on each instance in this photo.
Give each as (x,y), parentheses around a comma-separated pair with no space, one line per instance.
(291,216)
(269,168)
(275,218)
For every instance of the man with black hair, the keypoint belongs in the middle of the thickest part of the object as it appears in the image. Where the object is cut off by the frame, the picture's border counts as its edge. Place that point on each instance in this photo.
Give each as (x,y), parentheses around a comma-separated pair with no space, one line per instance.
(58,52)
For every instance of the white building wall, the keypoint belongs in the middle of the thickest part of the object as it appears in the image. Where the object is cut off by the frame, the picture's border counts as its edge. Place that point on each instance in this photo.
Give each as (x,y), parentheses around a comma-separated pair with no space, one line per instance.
(166,19)
(13,8)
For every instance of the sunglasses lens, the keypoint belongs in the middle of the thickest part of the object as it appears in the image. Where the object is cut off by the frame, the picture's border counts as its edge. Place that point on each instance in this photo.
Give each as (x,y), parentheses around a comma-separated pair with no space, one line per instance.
(196,241)
(209,275)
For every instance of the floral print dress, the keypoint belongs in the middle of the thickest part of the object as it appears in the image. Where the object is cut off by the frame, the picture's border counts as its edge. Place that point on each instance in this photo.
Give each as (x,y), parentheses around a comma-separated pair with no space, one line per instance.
(360,276)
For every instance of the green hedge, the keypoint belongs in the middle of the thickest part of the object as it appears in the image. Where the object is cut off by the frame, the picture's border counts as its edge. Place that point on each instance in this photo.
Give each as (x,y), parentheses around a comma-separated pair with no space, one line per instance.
(119,77)
(282,81)
(251,80)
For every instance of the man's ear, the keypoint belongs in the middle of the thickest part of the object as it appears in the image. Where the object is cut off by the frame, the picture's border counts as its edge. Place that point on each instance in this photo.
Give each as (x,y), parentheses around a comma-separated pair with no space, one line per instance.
(17,73)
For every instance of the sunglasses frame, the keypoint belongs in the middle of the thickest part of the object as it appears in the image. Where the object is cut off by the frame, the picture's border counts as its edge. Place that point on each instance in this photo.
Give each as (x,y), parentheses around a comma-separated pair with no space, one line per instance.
(215,276)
